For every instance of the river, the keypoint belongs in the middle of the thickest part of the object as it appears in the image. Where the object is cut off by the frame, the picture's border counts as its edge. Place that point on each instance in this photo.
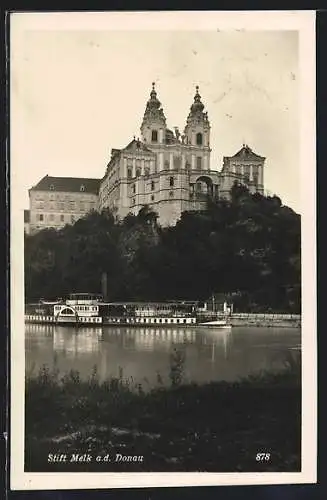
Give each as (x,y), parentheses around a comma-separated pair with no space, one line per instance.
(143,354)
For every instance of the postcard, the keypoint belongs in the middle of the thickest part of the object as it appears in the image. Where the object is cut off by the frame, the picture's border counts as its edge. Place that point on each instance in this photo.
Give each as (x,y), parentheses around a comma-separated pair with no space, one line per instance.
(163,303)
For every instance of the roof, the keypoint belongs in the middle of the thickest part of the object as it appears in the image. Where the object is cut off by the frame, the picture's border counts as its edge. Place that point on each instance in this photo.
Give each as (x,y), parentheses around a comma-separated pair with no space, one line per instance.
(68,184)
(246,153)
(26,215)
(136,146)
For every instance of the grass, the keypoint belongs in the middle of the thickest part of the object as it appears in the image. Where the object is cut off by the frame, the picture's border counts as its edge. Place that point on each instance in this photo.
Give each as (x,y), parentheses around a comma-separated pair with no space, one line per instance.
(216,427)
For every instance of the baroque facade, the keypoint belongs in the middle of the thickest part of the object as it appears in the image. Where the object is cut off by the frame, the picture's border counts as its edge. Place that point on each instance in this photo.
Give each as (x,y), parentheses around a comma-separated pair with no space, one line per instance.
(168,171)
(171,172)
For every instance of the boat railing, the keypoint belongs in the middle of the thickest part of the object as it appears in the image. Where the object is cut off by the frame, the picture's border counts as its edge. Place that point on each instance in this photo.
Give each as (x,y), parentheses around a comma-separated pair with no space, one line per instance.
(80,302)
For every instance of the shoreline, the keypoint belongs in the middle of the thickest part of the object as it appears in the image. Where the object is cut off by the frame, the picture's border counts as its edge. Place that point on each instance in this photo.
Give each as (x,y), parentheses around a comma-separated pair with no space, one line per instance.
(263,320)
(215,427)
(266,320)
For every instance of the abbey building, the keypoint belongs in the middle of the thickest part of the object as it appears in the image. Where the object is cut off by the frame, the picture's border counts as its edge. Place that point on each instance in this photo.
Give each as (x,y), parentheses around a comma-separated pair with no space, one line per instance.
(169,171)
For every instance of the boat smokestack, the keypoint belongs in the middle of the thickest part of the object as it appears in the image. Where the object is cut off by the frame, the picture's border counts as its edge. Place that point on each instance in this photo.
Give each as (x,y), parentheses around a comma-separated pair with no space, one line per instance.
(104,286)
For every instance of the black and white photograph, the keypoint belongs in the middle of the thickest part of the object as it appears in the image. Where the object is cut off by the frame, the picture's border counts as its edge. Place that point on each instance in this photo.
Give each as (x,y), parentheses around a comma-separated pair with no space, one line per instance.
(162,177)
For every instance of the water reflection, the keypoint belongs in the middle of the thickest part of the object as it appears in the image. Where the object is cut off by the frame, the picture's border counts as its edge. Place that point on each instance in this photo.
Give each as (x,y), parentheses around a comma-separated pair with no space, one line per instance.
(144,352)
(81,341)
(154,339)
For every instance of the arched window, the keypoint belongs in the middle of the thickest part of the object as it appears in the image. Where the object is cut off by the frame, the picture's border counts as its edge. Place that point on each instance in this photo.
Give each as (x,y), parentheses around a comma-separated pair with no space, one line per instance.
(199,139)
(67,312)
(154,136)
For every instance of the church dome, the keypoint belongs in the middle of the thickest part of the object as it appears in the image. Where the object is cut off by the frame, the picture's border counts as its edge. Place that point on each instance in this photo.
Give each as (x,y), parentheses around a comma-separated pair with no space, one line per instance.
(197,106)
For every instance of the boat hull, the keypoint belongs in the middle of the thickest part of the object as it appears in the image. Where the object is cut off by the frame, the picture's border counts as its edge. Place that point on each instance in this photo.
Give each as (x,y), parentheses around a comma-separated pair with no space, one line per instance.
(123,321)
(215,324)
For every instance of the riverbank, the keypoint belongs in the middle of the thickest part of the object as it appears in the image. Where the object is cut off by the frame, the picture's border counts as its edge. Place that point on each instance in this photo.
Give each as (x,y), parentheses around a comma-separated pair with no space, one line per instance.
(217,427)
(266,320)
(237,319)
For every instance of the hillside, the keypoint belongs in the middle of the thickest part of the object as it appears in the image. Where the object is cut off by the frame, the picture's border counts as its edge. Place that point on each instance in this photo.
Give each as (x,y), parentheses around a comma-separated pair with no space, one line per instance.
(248,248)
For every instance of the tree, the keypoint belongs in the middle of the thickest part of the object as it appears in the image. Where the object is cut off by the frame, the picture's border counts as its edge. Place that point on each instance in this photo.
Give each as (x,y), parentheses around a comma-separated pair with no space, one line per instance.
(248,247)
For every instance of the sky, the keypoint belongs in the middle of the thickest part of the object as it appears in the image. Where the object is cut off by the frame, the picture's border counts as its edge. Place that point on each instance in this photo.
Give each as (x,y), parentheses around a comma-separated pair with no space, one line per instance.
(78,93)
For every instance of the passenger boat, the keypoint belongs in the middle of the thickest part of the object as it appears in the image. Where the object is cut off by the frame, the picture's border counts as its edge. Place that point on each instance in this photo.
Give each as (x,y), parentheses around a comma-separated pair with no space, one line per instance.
(84,309)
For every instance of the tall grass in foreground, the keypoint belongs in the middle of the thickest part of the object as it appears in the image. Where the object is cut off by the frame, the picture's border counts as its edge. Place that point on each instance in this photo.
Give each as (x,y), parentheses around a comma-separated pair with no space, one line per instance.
(52,377)
(218,426)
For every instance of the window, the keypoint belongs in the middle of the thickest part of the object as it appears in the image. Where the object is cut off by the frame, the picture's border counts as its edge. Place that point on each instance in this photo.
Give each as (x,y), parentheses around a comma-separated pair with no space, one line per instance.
(255,178)
(177,162)
(61,206)
(166,164)
(82,206)
(51,187)
(62,218)
(51,216)
(171,181)
(138,172)
(147,172)
(129,172)
(199,139)
(133,188)
(152,186)
(133,201)
(72,205)
(82,188)
(41,217)
(152,197)
(154,136)
(171,194)
(198,162)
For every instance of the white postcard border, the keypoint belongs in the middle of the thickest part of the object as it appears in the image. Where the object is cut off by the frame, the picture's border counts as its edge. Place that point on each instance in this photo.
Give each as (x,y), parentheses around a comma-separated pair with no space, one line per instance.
(304,22)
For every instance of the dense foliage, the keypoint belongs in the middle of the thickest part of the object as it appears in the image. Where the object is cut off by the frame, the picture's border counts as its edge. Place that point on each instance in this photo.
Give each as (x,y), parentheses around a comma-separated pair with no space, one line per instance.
(247,248)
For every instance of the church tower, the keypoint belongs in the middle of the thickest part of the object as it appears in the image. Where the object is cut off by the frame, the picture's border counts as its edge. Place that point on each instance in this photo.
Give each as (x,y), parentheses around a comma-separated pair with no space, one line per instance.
(153,128)
(197,134)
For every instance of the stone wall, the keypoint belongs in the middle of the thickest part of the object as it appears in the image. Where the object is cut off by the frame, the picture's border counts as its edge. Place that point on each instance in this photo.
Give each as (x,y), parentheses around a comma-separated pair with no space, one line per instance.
(267,320)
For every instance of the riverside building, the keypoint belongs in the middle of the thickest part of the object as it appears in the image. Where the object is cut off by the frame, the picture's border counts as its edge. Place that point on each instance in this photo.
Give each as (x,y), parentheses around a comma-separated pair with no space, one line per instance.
(57,201)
